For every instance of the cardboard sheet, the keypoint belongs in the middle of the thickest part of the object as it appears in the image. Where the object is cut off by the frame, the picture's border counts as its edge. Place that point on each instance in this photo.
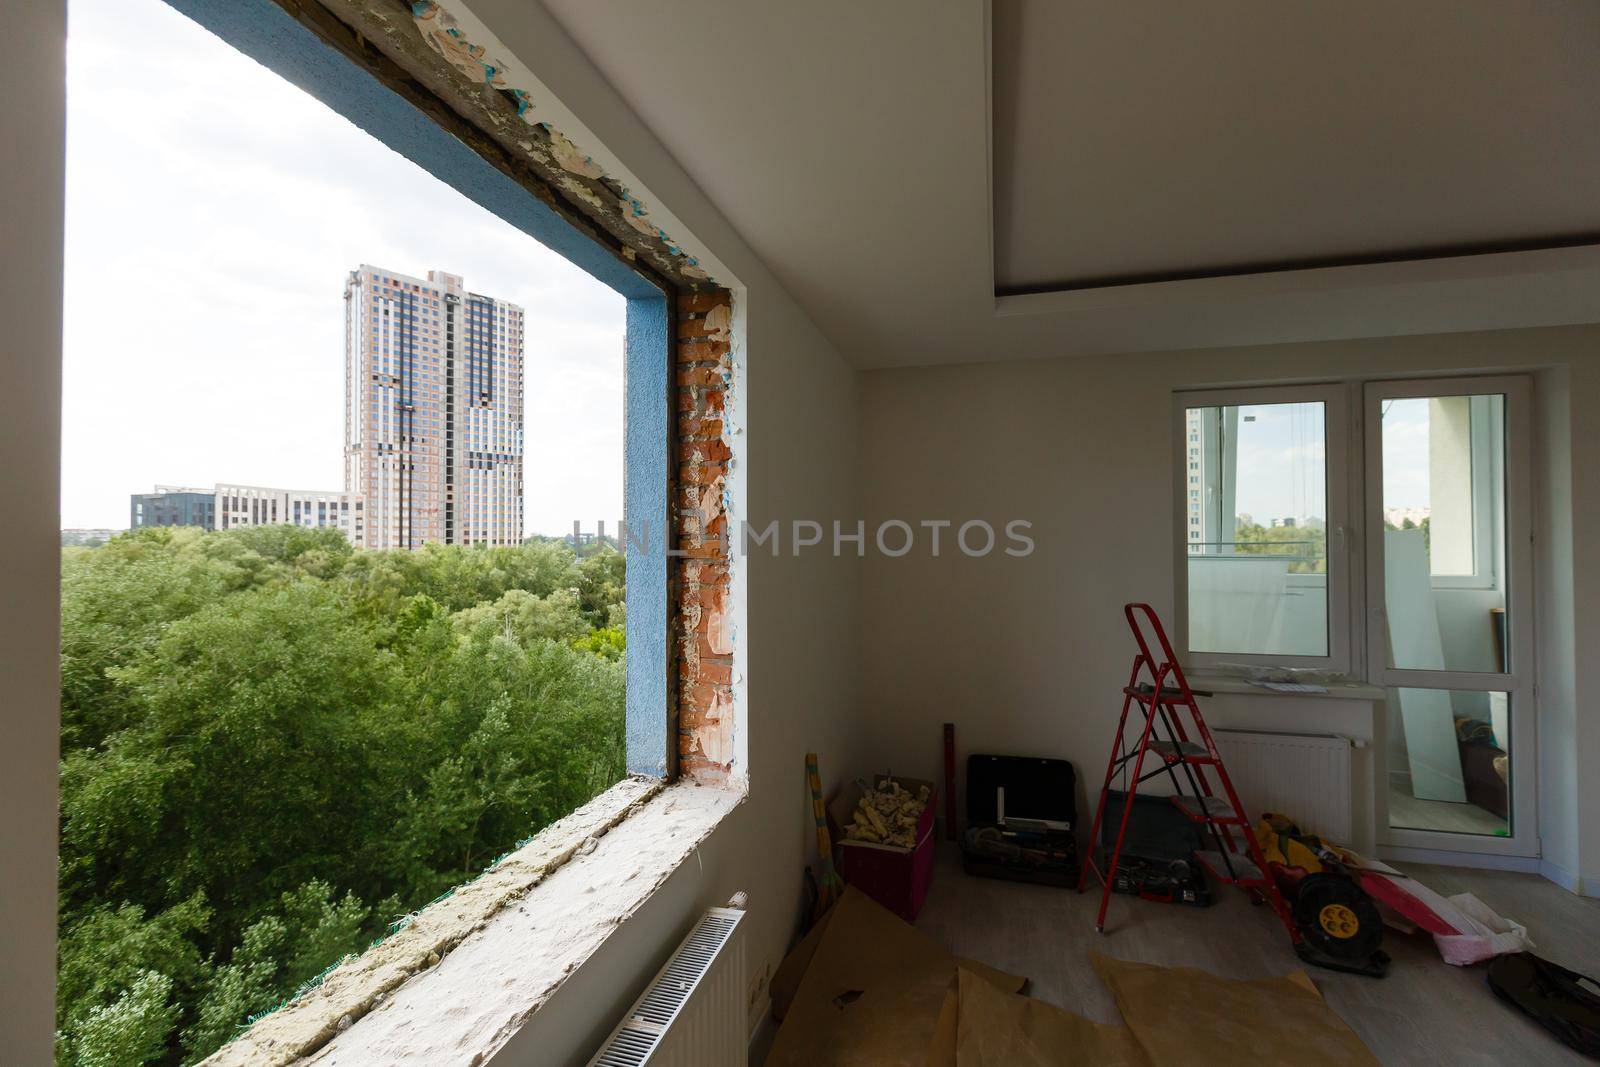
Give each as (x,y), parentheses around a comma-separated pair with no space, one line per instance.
(1185,1016)
(942,1052)
(864,988)
(1175,1016)
(1000,1029)
(874,993)
(786,979)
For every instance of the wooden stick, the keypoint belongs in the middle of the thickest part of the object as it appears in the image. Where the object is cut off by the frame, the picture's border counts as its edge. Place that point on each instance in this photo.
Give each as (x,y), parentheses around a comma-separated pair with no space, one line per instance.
(950,781)
(830,886)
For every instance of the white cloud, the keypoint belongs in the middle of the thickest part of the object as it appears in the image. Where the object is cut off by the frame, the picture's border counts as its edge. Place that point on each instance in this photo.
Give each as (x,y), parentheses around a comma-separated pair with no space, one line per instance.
(1281,462)
(213,210)
(1405,453)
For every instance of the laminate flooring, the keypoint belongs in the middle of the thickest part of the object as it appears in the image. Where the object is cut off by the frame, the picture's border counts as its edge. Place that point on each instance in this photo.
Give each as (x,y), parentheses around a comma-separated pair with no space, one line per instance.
(1423,1012)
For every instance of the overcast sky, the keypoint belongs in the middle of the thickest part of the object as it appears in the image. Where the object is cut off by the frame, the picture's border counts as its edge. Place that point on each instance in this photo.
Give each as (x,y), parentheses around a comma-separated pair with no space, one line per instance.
(1281,462)
(1282,457)
(213,211)
(1405,453)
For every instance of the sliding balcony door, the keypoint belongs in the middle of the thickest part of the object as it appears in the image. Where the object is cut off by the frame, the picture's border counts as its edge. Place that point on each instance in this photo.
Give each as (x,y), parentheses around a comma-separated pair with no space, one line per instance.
(1449,603)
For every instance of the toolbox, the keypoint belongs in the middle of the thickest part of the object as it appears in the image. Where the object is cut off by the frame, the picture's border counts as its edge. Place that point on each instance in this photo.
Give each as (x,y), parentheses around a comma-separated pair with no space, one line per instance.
(1158,853)
(1021,811)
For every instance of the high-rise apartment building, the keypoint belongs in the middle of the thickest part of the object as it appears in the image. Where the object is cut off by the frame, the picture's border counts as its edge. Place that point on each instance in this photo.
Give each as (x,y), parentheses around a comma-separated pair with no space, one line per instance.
(1195,486)
(433,410)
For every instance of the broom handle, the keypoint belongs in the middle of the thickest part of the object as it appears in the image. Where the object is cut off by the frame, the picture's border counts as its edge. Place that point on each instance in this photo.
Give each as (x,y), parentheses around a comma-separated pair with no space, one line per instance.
(830,877)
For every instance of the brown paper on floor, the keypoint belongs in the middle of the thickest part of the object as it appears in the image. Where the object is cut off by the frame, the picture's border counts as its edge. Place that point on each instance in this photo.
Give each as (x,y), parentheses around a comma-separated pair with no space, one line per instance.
(1185,1016)
(942,1051)
(1175,1016)
(999,1029)
(786,979)
(872,994)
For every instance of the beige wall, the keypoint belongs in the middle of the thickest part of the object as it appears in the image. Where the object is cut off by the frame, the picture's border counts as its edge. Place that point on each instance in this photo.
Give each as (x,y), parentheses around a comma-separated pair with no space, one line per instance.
(1028,655)
(32,70)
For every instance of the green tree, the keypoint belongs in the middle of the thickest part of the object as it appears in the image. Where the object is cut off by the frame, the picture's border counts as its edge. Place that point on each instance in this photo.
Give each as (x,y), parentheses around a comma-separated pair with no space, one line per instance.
(602,583)
(608,643)
(1305,545)
(273,744)
(104,958)
(132,1031)
(526,618)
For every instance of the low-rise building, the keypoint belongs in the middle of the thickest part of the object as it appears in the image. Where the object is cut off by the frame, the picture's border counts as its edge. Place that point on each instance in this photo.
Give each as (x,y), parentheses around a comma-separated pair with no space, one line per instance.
(173,505)
(229,506)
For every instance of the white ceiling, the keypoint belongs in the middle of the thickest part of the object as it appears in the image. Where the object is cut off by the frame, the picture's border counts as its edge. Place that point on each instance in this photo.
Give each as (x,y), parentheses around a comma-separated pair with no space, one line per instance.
(849,144)
(1143,139)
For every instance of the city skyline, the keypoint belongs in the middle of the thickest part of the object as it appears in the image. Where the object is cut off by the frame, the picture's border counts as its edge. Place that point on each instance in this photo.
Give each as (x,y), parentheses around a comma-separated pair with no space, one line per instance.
(204,335)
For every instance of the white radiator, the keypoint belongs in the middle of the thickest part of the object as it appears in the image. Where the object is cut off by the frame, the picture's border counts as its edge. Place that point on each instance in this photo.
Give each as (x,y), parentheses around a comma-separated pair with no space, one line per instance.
(692,1014)
(1303,776)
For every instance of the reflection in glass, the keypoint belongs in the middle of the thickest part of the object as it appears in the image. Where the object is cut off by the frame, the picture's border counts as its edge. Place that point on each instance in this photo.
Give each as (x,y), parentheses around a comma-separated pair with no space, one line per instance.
(1450,761)
(1255,487)
(1444,518)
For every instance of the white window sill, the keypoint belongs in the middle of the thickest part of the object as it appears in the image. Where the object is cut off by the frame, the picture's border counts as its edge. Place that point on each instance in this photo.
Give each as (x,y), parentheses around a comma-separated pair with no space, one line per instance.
(463,976)
(1233,684)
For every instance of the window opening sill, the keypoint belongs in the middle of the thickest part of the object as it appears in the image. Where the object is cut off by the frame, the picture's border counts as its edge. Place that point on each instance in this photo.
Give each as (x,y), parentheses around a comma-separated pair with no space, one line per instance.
(459,977)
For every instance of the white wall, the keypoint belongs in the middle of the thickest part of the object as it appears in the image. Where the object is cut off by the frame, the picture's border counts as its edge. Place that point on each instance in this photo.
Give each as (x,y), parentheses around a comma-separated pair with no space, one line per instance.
(1558,767)
(799,638)
(33,131)
(802,645)
(1028,655)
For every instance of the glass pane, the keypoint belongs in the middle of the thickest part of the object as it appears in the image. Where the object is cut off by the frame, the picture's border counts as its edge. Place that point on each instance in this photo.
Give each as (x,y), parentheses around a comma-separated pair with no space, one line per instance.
(1443,541)
(1450,761)
(1257,496)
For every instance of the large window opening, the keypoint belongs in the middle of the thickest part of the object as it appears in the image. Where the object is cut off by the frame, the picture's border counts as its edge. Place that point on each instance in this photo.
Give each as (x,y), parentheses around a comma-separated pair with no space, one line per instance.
(331,643)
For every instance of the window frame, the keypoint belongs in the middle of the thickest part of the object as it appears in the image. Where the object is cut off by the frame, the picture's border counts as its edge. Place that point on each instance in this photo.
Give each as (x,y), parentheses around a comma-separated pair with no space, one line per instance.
(1343,552)
(1520,677)
(1518,531)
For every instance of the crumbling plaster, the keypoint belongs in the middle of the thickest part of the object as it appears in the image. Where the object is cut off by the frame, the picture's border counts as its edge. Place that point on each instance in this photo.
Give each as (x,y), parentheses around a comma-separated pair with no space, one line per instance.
(435,53)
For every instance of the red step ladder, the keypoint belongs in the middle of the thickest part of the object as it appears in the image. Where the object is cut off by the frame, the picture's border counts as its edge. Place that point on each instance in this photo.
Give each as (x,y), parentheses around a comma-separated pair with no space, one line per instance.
(1162,694)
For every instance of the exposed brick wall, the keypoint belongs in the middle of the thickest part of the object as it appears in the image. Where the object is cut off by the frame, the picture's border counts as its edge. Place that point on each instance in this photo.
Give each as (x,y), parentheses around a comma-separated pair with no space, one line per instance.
(703,634)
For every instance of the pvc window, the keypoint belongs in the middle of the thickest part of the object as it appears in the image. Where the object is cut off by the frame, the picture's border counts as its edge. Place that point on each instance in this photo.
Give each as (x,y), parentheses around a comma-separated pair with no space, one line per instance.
(1261,514)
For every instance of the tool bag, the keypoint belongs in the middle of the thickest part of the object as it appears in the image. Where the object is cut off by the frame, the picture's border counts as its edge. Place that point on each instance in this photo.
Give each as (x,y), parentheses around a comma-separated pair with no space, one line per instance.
(1564,1002)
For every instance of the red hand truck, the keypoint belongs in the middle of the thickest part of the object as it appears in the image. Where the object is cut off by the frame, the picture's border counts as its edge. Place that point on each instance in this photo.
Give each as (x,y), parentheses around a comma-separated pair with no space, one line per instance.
(1161,693)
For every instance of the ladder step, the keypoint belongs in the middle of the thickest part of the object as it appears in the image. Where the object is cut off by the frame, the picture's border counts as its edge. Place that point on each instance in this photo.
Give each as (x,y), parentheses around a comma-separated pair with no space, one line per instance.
(1169,694)
(1190,751)
(1145,693)
(1208,809)
(1246,873)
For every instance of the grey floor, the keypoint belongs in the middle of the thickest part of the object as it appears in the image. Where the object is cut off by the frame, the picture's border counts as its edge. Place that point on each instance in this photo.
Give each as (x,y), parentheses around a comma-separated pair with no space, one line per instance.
(1407,811)
(1423,1012)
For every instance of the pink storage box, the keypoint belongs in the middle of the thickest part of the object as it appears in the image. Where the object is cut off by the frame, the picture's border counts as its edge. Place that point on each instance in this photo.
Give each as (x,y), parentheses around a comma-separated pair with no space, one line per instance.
(897,878)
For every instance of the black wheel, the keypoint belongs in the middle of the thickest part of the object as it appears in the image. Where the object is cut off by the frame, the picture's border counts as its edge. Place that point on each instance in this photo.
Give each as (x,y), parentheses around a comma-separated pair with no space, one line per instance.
(1336,917)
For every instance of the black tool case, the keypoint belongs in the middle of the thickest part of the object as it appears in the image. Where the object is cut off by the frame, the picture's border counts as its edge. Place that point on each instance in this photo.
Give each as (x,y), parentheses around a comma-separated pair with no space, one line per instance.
(1021,811)
(1157,861)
